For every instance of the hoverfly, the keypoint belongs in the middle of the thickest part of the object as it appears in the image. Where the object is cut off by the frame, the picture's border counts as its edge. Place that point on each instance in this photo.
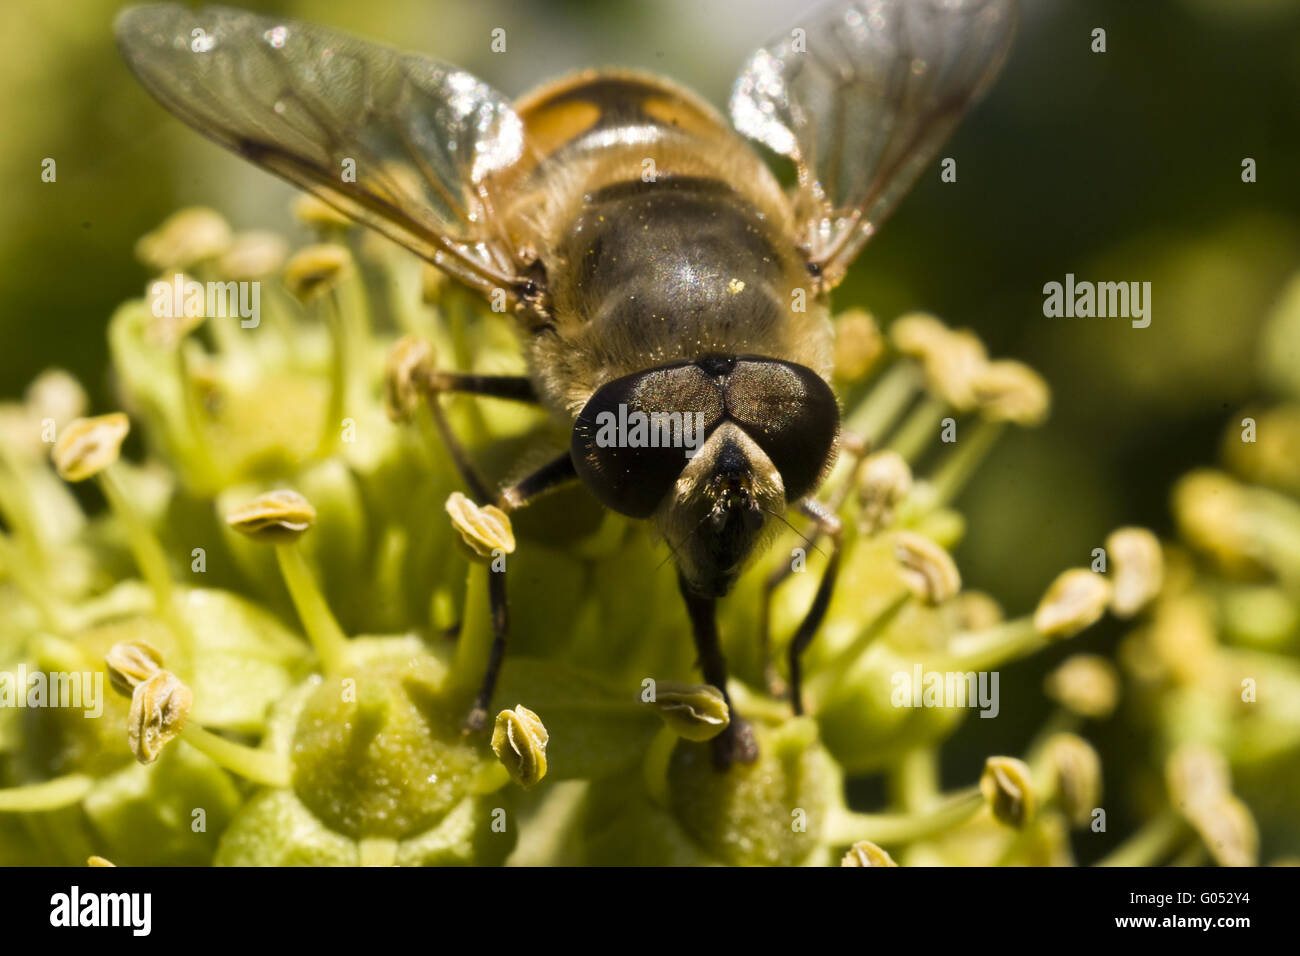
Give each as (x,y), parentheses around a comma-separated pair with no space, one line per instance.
(700,290)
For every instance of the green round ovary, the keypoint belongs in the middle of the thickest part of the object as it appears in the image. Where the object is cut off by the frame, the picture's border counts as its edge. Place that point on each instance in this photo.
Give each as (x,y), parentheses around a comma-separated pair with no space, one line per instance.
(772,812)
(378,758)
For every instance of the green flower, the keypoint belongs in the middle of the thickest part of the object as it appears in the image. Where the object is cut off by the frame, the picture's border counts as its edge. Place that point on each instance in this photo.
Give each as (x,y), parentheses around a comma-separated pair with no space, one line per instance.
(289,588)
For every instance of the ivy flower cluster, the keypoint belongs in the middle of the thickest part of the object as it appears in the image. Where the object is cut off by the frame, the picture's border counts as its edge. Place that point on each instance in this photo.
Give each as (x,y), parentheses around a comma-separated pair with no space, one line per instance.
(1212,672)
(265,554)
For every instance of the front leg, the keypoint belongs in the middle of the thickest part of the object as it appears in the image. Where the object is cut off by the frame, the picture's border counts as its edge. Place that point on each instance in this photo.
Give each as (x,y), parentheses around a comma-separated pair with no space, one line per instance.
(825,524)
(737,741)
(829,525)
(554,474)
(512,388)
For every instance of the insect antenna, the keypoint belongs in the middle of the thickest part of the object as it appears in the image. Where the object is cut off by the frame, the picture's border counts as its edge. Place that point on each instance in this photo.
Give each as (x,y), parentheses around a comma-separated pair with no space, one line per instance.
(808,539)
(673,549)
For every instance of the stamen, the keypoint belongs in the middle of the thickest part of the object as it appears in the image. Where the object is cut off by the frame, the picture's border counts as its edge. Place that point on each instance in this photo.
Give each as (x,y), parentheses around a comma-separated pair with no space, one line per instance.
(253,763)
(692,711)
(519,740)
(1007,785)
(186,237)
(876,414)
(960,464)
(1073,602)
(1153,841)
(1138,561)
(15,564)
(313,610)
(46,795)
(919,428)
(866,853)
(407,374)
(847,827)
(90,447)
(281,518)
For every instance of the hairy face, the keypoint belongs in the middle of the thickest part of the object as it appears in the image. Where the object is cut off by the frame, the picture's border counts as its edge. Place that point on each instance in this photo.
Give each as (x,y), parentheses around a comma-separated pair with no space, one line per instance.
(710,449)
(720,508)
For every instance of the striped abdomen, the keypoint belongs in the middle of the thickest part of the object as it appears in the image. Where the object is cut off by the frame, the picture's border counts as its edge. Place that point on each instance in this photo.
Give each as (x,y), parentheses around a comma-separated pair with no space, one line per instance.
(663,237)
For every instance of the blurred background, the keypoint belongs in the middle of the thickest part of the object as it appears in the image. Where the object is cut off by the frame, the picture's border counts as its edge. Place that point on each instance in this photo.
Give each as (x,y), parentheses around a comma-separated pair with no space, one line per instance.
(1116,166)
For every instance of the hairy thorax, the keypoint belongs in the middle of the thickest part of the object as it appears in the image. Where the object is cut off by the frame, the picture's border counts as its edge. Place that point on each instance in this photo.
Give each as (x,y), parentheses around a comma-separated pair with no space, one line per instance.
(661,237)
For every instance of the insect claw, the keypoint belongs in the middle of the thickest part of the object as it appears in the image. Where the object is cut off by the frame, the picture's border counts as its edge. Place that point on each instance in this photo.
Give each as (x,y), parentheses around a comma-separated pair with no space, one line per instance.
(475,721)
(736,744)
(776,685)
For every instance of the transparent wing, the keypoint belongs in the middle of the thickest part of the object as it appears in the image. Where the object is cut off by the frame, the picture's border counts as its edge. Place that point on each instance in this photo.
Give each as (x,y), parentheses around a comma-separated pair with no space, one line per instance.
(861,98)
(423,137)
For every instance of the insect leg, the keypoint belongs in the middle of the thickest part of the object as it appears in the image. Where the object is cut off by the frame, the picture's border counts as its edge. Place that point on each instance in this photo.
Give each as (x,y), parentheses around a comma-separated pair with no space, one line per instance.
(512,388)
(856,449)
(829,525)
(459,457)
(515,388)
(737,741)
(775,684)
(552,475)
(477,718)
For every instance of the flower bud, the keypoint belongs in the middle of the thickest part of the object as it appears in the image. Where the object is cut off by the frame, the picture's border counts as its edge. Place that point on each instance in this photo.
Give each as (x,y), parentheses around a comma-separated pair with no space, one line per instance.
(484,529)
(1138,560)
(1007,786)
(56,394)
(926,568)
(1212,515)
(131,663)
(253,255)
(1228,831)
(406,377)
(519,741)
(1077,771)
(159,708)
(866,853)
(1273,459)
(167,330)
(277,516)
(184,238)
(692,711)
(1073,602)
(916,333)
(317,214)
(952,360)
(976,611)
(1010,391)
(312,271)
(1197,778)
(1183,637)
(1085,684)
(885,479)
(89,445)
(20,430)
(858,344)
(954,370)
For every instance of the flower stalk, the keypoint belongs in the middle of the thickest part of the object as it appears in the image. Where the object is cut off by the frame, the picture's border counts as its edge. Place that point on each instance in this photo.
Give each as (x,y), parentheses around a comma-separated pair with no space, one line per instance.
(847,827)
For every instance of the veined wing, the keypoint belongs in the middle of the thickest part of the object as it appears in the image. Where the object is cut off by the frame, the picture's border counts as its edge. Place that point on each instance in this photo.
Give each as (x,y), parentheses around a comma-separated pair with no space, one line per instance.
(861,99)
(422,137)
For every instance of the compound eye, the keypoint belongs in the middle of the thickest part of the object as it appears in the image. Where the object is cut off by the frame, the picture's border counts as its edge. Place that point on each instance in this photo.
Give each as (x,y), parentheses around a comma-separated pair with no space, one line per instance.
(791,412)
(636,434)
